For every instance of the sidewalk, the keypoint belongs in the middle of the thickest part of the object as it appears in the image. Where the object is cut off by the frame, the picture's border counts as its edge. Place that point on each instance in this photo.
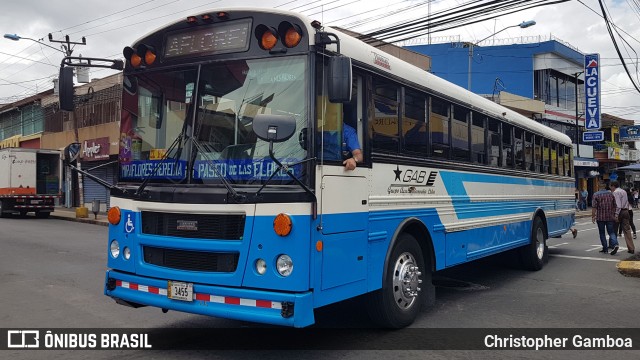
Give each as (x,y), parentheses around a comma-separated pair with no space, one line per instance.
(69,214)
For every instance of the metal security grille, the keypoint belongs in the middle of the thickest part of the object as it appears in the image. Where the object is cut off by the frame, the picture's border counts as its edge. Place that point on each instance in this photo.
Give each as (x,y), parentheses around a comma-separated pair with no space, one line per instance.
(199,226)
(191,260)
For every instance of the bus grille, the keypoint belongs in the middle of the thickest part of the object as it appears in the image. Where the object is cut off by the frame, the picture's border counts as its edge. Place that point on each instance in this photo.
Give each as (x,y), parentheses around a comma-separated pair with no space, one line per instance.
(200,226)
(191,260)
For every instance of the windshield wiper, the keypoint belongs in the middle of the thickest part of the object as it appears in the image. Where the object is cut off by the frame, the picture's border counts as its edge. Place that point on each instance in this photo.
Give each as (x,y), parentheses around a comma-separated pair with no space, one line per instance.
(287,170)
(235,195)
(175,143)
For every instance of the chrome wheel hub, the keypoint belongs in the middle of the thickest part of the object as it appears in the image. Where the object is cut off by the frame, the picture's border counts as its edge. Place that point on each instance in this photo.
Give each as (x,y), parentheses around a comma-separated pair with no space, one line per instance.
(406,280)
(539,243)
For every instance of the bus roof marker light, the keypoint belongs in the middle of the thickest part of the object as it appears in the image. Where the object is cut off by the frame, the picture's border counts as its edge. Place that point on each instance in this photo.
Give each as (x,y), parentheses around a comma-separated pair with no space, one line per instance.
(192,19)
(290,34)
(147,53)
(266,36)
(206,17)
(132,56)
(282,224)
(223,15)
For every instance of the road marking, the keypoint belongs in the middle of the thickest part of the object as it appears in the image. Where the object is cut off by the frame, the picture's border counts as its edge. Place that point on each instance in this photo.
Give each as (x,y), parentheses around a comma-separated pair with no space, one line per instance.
(556,245)
(595,228)
(598,247)
(585,258)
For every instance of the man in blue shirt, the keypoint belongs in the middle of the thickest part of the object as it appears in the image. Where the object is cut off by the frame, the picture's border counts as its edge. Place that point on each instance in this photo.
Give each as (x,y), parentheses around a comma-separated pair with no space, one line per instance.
(332,150)
(350,141)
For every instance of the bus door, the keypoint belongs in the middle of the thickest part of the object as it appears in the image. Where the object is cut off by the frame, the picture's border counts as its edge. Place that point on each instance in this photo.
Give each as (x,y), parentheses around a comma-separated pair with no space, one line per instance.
(344,211)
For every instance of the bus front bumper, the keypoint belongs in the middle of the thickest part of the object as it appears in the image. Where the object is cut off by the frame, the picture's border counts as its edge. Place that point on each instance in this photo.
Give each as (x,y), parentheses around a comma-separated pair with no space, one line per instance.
(286,309)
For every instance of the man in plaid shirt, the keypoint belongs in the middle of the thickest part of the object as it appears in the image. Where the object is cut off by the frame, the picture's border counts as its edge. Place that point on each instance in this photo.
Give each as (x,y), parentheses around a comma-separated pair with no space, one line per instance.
(603,212)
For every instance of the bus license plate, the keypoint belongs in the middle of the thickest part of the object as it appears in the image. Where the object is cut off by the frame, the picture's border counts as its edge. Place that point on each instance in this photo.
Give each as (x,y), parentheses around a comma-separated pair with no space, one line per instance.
(180,291)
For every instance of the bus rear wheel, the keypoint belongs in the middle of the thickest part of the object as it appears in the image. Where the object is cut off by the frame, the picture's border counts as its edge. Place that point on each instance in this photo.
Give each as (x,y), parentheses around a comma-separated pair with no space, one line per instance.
(402,296)
(534,255)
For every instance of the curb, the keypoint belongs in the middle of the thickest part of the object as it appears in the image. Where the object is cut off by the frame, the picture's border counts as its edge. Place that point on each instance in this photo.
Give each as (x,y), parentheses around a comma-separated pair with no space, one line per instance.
(630,266)
(82,220)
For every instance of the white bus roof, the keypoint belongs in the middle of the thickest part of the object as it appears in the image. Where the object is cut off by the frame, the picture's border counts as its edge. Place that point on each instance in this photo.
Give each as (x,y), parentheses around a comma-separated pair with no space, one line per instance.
(364,53)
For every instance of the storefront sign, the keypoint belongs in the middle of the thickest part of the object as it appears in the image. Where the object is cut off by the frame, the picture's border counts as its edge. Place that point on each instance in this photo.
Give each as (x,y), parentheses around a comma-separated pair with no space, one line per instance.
(95,149)
(623,154)
(592,91)
(629,133)
(585,163)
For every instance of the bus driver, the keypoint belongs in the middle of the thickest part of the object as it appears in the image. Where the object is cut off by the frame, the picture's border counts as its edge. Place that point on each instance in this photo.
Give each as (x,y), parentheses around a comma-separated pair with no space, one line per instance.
(351,144)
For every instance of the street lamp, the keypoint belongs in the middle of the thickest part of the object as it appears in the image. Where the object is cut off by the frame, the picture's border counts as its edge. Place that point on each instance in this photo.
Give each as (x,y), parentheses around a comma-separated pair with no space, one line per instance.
(16,37)
(522,25)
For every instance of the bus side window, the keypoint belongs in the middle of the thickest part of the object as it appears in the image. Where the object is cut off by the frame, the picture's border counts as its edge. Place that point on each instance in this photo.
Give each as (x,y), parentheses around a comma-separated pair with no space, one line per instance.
(414,123)
(385,130)
(478,138)
(439,127)
(537,150)
(554,158)
(507,145)
(519,149)
(528,151)
(460,133)
(545,156)
(495,142)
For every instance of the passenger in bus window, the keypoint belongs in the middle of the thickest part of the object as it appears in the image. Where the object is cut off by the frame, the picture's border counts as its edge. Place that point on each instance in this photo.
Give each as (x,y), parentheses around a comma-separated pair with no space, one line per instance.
(350,144)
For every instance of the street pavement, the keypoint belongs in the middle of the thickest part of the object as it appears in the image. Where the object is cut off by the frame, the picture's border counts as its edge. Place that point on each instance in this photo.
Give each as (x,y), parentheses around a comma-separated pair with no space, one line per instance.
(628,265)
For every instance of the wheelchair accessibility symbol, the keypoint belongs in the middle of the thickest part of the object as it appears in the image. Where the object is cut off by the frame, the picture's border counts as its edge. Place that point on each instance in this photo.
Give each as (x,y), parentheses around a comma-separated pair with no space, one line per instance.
(128,225)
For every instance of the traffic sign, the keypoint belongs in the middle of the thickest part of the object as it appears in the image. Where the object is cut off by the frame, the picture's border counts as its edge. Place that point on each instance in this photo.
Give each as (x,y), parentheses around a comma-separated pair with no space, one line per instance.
(588,136)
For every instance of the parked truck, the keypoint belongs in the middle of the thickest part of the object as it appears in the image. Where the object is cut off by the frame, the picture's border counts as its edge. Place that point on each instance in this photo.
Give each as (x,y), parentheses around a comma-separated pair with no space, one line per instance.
(29,181)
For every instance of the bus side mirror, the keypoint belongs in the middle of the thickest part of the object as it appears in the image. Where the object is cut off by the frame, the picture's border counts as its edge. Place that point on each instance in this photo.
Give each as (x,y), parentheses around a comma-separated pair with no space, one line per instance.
(340,79)
(274,128)
(71,153)
(65,82)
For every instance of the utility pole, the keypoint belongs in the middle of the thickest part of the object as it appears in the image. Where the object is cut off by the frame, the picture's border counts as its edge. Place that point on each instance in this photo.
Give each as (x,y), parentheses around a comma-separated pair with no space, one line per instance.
(66,45)
(577,115)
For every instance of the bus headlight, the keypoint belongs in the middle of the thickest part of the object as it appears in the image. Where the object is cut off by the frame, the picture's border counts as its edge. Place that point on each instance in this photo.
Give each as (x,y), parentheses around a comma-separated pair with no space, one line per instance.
(261,266)
(126,253)
(284,265)
(115,249)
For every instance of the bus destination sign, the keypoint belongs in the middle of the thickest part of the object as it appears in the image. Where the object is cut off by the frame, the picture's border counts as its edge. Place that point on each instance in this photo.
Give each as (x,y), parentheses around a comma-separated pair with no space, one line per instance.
(225,37)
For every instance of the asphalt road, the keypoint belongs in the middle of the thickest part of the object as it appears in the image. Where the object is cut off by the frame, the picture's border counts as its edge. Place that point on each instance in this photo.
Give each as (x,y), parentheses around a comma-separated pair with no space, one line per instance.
(52,275)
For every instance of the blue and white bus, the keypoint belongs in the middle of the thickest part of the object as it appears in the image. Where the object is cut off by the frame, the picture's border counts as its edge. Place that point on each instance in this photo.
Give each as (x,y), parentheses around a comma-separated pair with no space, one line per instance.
(233,200)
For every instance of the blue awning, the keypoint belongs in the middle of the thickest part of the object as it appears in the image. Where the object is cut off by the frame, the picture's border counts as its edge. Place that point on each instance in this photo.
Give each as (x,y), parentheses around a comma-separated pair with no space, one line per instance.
(632,167)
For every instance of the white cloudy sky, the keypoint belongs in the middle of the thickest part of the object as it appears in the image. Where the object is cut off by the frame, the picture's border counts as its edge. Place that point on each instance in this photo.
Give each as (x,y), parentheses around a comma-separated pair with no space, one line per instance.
(27,68)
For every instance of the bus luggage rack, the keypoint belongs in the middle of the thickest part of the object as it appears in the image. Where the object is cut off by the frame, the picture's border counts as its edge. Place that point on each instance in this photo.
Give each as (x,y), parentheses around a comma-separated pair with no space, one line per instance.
(191,260)
(200,226)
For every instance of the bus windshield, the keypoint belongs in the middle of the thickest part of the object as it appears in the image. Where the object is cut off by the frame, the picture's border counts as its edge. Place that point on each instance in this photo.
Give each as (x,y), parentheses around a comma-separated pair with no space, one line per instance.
(204,125)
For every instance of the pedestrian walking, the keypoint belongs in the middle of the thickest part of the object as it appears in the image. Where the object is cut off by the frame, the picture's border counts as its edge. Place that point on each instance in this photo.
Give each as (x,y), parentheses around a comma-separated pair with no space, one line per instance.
(603,209)
(635,198)
(584,195)
(631,224)
(622,214)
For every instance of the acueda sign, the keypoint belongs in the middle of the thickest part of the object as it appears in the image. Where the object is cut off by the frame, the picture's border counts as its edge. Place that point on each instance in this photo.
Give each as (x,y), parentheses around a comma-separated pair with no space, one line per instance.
(592,91)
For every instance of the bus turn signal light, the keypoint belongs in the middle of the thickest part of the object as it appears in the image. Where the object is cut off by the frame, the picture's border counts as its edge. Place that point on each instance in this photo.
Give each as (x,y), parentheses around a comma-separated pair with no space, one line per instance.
(282,224)
(135,60)
(114,215)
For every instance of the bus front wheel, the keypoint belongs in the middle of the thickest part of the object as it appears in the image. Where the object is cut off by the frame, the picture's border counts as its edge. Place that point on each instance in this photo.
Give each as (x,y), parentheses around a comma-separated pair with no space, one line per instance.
(534,255)
(406,285)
